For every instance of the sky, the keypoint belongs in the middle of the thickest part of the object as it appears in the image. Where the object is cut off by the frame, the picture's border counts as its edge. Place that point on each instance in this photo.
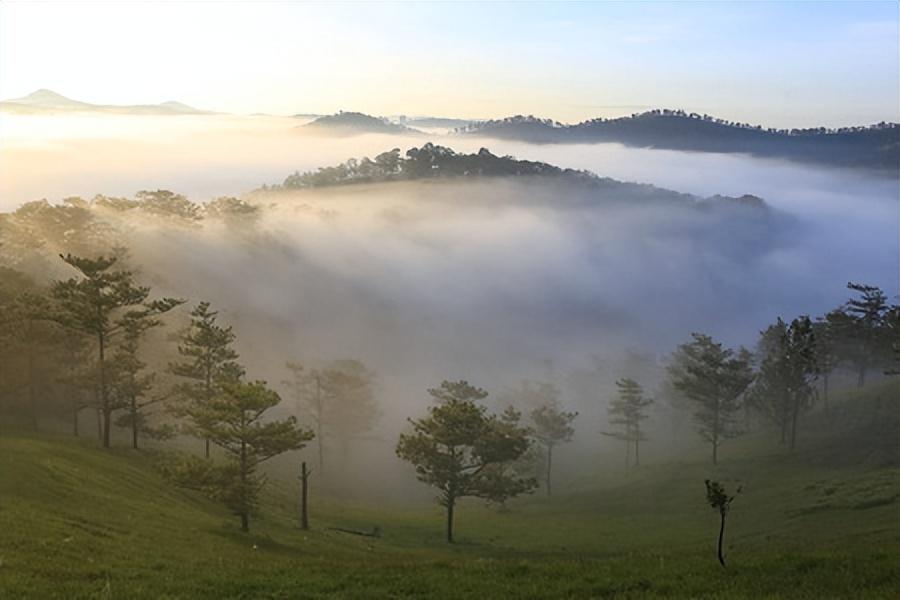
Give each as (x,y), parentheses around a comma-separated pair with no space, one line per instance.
(777,64)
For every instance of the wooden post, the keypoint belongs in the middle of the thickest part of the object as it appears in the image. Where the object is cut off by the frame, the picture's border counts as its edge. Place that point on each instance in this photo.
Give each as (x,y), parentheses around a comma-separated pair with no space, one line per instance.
(304,496)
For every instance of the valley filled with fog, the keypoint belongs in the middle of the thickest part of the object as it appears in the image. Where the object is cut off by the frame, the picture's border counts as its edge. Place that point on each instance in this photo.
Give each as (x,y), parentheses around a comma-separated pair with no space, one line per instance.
(494,281)
(843,222)
(436,300)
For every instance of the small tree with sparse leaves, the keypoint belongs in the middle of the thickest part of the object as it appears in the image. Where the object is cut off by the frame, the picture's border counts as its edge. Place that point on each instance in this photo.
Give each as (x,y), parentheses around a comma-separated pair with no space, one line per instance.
(719,499)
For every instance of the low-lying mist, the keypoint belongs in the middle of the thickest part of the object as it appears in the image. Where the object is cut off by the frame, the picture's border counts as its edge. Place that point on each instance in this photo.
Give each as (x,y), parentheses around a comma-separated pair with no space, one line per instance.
(487,280)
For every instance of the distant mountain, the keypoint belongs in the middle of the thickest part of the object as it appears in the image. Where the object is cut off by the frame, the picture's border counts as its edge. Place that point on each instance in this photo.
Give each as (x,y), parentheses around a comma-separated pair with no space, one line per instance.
(875,147)
(48,101)
(354,123)
(433,162)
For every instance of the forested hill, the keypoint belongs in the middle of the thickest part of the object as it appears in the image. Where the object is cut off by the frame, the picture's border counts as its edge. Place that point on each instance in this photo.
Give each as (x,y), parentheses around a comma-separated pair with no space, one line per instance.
(432,162)
(354,123)
(429,161)
(874,147)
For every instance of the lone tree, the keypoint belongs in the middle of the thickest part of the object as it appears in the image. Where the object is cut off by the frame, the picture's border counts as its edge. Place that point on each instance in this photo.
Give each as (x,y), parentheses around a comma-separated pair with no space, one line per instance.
(209,362)
(233,420)
(787,374)
(626,412)
(714,379)
(462,451)
(721,501)
(100,303)
(551,426)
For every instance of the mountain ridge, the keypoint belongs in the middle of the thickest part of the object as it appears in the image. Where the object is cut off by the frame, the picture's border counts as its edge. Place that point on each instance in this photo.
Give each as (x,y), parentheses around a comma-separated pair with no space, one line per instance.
(875,146)
(45,100)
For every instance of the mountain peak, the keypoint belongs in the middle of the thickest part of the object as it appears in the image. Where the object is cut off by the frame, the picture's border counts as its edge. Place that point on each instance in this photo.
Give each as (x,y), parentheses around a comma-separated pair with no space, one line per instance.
(45,97)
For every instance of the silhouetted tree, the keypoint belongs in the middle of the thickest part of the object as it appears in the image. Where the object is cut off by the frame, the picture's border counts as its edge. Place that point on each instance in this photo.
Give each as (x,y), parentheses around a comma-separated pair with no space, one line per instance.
(714,379)
(131,383)
(339,400)
(209,362)
(868,314)
(99,303)
(827,332)
(785,384)
(462,451)
(551,426)
(721,501)
(626,411)
(234,421)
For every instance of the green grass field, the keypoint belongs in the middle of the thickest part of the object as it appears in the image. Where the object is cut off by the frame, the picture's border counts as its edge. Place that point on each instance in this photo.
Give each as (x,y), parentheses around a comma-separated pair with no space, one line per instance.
(80,522)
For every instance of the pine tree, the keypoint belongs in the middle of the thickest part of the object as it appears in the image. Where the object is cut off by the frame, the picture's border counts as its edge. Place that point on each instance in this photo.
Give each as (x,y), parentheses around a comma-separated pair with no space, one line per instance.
(233,419)
(99,303)
(209,362)
(626,412)
(868,314)
(784,386)
(551,426)
(714,379)
(131,383)
(464,452)
(338,399)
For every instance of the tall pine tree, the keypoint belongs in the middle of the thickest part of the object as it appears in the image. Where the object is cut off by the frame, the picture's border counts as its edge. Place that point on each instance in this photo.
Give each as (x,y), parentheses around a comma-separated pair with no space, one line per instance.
(208,362)
(99,302)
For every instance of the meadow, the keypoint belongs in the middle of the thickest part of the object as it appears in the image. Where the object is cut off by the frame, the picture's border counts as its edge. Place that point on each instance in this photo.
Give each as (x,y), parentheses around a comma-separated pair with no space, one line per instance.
(823,522)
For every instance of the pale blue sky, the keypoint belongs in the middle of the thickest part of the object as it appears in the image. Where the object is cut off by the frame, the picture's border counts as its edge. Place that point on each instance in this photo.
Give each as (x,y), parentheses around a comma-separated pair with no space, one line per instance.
(780,64)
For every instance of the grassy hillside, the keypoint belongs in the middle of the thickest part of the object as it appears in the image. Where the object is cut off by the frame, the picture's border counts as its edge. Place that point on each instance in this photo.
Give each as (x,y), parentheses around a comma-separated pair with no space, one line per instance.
(78,522)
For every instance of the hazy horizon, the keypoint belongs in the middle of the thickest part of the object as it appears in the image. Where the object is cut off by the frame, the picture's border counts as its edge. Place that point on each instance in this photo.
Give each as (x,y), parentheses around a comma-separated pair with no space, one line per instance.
(762,63)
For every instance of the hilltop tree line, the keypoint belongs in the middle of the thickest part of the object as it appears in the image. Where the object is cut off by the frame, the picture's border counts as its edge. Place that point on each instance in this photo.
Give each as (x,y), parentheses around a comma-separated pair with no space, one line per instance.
(420,163)
(872,147)
(526,120)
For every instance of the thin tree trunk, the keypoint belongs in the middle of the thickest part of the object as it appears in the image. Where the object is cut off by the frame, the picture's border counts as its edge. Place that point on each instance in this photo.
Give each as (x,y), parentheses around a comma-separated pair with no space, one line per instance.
(245,521)
(450,506)
(134,423)
(207,391)
(715,436)
(104,393)
(795,414)
(304,496)
(637,441)
(319,439)
(32,395)
(549,467)
(721,539)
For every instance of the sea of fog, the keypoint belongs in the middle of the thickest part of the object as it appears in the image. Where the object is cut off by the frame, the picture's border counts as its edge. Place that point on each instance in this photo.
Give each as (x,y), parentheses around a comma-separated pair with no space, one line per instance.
(462,279)
(491,281)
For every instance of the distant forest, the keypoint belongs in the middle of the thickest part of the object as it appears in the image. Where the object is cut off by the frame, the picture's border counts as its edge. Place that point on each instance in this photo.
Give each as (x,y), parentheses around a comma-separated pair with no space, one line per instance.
(875,147)
(426,162)
(350,123)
